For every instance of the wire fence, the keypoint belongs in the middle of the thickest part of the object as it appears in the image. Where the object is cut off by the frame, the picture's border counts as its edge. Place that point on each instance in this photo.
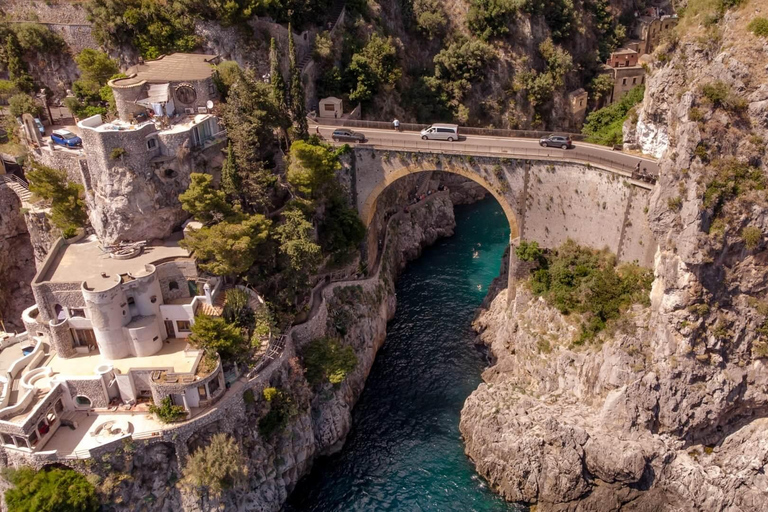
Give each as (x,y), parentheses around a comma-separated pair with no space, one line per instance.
(465,130)
(628,166)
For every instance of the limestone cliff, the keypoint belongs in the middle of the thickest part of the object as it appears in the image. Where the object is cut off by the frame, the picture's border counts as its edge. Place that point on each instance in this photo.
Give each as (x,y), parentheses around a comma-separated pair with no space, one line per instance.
(17,262)
(668,412)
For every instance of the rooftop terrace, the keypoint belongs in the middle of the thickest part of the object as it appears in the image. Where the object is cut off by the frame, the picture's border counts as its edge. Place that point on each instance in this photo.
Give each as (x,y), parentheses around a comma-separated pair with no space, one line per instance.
(172,356)
(86,261)
(177,67)
(177,123)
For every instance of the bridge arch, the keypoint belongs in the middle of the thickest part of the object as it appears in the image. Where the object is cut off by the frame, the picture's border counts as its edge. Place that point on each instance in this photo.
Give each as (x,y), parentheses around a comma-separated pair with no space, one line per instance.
(369,203)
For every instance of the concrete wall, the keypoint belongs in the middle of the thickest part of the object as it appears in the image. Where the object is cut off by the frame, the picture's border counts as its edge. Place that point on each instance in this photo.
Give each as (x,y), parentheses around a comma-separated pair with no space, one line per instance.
(548,202)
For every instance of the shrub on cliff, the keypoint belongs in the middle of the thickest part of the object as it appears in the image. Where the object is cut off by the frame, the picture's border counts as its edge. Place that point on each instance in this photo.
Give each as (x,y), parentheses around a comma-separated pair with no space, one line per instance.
(327,360)
(604,126)
(217,466)
(581,280)
(759,26)
(281,409)
(51,490)
(67,202)
(166,412)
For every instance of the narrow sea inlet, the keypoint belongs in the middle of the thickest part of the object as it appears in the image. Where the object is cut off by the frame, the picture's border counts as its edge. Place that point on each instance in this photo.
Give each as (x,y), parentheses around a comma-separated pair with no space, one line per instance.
(405,452)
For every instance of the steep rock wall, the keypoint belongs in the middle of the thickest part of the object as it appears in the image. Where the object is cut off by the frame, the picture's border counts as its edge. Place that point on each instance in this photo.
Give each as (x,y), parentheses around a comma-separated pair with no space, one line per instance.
(17,261)
(668,412)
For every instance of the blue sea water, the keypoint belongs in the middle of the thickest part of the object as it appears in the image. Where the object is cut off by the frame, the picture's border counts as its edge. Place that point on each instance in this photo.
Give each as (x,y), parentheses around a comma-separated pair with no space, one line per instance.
(405,452)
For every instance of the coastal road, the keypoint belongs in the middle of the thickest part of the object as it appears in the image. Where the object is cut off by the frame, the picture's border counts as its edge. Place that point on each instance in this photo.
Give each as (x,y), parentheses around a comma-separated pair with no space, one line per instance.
(511,147)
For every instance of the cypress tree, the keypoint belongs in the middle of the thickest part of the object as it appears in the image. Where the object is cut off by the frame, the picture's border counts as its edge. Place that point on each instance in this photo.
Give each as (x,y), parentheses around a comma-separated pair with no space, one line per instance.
(298,109)
(230,175)
(276,78)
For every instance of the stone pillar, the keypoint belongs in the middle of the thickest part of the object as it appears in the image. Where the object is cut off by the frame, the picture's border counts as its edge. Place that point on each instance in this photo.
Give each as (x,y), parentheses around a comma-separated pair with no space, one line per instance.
(184,400)
(61,339)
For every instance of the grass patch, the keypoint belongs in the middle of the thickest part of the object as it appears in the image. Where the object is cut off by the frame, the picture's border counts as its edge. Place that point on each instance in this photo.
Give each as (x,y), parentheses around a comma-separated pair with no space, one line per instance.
(604,126)
(580,280)
(759,26)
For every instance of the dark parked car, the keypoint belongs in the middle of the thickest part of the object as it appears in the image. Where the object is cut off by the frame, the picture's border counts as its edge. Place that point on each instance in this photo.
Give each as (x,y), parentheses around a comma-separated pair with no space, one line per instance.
(348,135)
(556,141)
(66,138)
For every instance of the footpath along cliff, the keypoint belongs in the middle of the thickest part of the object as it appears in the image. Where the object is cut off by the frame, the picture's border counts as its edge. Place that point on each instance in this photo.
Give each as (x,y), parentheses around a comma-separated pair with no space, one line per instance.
(669,409)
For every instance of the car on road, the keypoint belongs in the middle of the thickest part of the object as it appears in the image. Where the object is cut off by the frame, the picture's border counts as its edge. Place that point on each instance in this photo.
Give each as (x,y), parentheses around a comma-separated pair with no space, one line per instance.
(66,138)
(556,141)
(449,132)
(40,126)
(348,136)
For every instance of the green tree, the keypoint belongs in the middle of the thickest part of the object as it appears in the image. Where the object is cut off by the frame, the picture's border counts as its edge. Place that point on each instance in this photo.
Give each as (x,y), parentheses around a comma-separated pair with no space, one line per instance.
(298,106)
(326,359)
(225,75)
(373,66)
(13,59)
(459,65)
(281,409)
(430,18)
(237,308)
(276,79)
(342,228)
(166,412)
(203,202)
(231,247)
(216,466)
(231,182)
(295,237)
(312,167)
(67,199)
(96,66)
(529,251)
(604,126)
(215,335)
(51,490)
(491,18)
(20,104)
(600,87)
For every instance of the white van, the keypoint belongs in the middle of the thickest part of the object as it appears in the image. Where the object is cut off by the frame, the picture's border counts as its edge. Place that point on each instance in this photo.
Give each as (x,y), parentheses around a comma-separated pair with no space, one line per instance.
(449,132)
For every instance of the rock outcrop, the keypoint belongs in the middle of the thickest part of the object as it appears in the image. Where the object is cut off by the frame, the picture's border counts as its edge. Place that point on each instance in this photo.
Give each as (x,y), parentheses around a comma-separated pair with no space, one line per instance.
(668,410)
(17,262)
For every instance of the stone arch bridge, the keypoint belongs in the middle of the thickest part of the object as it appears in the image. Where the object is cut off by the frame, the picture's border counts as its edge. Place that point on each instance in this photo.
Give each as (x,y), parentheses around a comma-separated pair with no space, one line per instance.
(545,199)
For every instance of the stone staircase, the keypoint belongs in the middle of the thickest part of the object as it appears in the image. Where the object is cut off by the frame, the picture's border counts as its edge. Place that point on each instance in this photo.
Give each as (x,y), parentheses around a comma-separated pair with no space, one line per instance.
(18,186)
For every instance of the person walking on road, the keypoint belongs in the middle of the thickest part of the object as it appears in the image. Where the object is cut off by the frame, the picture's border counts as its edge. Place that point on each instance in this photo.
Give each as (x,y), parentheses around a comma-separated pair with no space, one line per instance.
(396,124)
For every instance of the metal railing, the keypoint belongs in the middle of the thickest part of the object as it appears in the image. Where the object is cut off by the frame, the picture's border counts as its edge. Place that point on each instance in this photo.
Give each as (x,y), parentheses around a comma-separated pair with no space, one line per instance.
(465,130)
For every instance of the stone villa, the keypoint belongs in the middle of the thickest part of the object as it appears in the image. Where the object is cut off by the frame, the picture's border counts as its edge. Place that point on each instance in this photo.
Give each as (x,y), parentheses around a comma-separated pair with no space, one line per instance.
(108,332)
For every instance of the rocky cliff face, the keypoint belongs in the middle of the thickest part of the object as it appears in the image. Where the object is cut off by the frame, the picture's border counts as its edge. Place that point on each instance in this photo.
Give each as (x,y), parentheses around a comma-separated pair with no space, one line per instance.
(17,262)
(668,411)
(358,315)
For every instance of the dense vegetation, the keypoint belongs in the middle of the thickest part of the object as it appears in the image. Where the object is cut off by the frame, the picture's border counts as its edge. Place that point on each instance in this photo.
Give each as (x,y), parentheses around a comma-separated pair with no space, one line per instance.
(604,126)
(67,198)
(328,360)
(92,94)
(580,280)
(281,409)
(49,490)
(166,412)
(217,466)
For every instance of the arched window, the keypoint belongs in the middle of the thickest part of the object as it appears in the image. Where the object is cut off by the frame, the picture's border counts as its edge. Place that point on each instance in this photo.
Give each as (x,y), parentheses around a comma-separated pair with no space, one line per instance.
(173,285)
(82,401)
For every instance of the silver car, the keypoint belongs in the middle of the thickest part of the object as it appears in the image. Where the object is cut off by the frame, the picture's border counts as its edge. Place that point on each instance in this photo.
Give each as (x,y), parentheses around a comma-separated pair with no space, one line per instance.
(348,136)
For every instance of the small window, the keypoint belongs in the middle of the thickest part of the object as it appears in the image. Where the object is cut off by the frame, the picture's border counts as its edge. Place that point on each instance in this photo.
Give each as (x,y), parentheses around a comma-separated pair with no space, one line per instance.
(7,439)
(82,401)
(169,173)
(153,299)
(77,313)
(131,301)
(211,88)
(329,107)
(151,143)
(33,439)
(623,81)
(51,417)
(183,326)
(634,81)
(59,311)
(173,285)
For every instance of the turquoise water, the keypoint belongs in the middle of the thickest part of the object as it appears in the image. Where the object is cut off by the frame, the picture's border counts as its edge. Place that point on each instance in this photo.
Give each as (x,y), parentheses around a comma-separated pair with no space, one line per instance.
(405,451)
